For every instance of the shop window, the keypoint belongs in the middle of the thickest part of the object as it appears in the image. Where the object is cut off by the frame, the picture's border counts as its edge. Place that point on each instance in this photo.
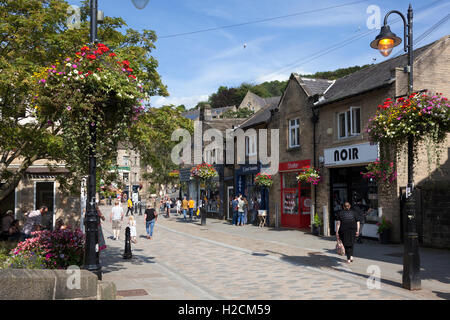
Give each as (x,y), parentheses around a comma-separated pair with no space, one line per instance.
(349,122)
(125,177)
(290,180)
(290,201)
(294,133)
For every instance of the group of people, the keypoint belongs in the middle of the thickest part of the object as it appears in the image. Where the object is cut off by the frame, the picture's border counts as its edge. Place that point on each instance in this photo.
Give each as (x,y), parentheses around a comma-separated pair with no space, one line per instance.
(117,217)
(240,207)
(11,229)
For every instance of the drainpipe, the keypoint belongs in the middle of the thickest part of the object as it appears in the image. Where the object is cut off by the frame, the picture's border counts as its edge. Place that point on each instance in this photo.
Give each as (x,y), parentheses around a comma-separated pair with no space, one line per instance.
(314,120)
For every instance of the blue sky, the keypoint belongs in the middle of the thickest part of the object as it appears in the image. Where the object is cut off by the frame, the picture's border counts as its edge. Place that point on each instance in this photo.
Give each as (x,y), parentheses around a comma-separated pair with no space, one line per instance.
(193,66)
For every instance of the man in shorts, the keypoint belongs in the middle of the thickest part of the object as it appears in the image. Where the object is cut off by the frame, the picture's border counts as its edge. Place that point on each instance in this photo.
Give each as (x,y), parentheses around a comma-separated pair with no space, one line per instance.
(116,218)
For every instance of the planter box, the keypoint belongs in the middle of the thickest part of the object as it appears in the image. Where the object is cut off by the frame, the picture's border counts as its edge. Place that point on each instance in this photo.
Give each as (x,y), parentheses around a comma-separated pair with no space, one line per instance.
(384,237)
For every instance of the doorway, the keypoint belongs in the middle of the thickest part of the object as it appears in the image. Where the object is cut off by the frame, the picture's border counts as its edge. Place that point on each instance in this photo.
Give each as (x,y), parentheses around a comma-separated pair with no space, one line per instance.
(229,198)
(45,196)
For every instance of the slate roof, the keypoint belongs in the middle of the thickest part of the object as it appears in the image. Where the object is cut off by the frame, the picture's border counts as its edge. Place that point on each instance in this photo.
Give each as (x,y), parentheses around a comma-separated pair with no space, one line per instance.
(372,77)
(311,86)
(262,115)
(316,86)
(191,114)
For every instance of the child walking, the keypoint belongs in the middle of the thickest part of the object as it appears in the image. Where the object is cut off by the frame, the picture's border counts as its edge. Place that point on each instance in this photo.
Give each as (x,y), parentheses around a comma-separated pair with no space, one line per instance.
(132,225)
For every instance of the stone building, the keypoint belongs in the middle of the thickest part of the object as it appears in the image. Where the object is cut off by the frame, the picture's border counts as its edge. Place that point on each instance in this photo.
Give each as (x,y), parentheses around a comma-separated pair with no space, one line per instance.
(322,124)
(344,148)
(39,187)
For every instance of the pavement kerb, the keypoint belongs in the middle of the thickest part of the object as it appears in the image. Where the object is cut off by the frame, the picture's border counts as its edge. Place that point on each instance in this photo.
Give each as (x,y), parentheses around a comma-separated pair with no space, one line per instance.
(272,257)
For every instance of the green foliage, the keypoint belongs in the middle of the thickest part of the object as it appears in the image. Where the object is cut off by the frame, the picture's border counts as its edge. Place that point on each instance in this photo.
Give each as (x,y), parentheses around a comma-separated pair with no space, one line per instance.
(35,35)
(151,136)
(336,74)
(241,113)
(317,221)
(384,225)
(225,97)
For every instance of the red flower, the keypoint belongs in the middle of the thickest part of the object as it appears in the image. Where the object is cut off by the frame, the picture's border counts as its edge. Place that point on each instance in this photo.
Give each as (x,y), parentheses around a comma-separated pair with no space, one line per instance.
(78,53)
(91,56)
(131,76)
(126,63)
(112,54)
(85,48)
(129,70)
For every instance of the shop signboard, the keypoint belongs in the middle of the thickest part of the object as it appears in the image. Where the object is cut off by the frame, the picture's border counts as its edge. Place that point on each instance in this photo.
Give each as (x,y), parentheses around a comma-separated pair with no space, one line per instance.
(294,165)
(352,154)
(185,175)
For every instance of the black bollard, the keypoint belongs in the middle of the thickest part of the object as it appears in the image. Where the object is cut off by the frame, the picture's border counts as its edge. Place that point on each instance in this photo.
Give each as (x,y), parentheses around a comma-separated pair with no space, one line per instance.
(140,207)
(127,254)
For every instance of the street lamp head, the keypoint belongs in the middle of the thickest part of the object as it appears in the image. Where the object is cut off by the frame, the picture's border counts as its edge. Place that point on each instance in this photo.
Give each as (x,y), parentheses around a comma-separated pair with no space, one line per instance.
(385,41)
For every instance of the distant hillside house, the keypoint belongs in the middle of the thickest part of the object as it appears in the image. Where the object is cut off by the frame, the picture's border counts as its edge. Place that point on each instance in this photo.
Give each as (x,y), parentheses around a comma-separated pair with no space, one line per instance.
(250,101)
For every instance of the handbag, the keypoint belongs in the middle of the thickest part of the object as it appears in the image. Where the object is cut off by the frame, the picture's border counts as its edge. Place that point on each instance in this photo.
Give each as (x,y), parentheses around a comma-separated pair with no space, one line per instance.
(340,248)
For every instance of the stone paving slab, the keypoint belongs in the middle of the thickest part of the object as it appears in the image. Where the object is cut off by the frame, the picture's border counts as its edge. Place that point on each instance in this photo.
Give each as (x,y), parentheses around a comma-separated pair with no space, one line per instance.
(180,265)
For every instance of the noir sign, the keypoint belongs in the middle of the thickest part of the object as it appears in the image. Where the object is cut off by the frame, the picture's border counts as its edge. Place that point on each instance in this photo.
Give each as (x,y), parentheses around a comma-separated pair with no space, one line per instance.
(358,153)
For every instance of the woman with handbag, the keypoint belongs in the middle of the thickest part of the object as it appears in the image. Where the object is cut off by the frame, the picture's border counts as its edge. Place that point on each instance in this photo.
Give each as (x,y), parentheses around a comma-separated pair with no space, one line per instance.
(347,229)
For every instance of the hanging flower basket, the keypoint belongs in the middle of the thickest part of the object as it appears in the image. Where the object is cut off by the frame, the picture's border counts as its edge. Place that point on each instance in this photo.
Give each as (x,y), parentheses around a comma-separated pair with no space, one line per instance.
(381,171)
(309,175)
(92,88)
(204,171)
(263,180)
(419,115)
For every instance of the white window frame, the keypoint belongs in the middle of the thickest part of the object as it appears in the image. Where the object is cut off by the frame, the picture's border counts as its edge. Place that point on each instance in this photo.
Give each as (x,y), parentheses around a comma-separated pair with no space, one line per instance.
(296,127)
(349,123)
(211,156)
(250,145)
(126,160)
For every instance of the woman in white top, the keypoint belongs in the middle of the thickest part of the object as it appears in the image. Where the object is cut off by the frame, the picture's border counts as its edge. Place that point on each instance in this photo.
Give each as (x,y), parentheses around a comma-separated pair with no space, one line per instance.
(132,225)
(178,206)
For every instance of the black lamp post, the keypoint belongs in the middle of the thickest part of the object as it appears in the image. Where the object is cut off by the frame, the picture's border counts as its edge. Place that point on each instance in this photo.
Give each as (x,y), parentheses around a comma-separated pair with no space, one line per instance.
(91,252)
(384,42)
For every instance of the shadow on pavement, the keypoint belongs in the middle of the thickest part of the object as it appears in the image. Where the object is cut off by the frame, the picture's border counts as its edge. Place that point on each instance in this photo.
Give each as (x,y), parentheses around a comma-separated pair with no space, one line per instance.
(112,259)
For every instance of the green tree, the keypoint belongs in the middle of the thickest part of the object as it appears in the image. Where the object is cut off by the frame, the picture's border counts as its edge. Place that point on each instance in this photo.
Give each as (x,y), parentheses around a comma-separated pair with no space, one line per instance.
(34,34)
(151,136)
(241,113)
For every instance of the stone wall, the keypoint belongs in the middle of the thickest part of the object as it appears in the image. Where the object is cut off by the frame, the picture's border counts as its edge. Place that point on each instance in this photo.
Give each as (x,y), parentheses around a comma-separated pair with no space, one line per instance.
(436,214)
(25,284)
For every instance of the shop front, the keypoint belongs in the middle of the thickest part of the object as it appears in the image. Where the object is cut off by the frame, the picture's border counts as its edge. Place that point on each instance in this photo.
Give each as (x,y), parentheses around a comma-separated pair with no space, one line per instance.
(345,165)
(245,185)
(295,195)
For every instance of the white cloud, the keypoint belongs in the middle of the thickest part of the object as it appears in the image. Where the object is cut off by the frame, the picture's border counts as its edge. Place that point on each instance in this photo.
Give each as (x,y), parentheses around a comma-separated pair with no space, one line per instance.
(188,101)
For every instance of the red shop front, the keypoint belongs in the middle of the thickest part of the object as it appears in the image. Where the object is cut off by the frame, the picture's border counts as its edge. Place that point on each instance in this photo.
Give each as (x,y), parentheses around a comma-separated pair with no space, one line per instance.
(295,196)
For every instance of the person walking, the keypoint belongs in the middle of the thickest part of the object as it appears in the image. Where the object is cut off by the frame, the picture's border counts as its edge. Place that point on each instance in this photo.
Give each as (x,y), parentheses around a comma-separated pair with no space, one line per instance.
(241,211)
(130,206)
(150,216)
(191,208)
(234,208)
(178,206)
(347,228)
(255,211)
(185,207)
(116,218)
(168,204)
(132,225)
(245,210)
